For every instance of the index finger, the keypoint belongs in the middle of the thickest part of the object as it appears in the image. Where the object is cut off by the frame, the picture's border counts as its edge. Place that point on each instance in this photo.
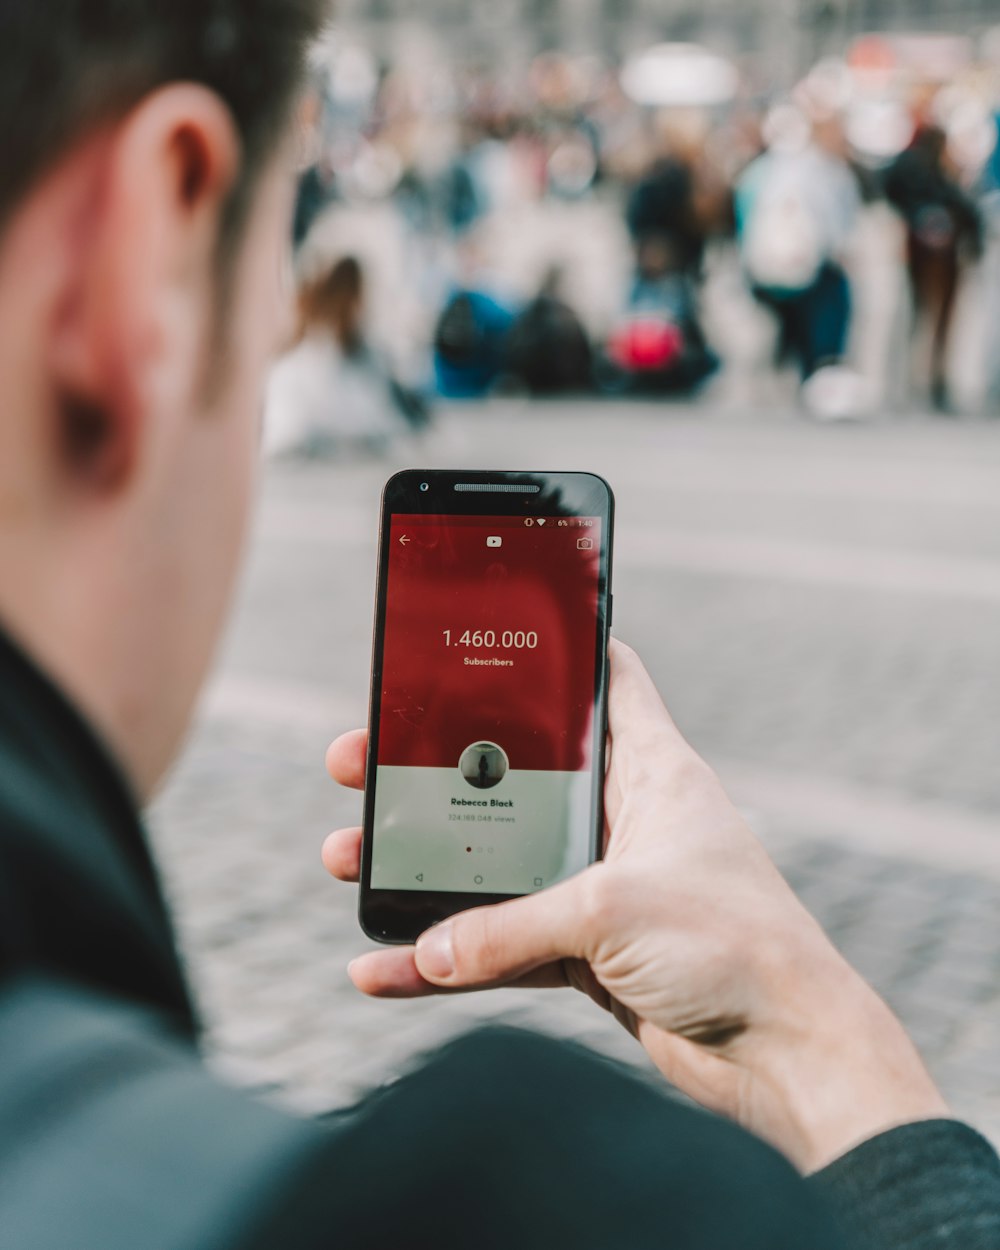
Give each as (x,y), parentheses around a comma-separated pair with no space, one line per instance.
(345,758)
(635,706)
(394,974)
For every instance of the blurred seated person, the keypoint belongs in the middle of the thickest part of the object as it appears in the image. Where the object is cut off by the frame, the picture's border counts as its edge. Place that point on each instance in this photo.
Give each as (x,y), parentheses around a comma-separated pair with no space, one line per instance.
(548,351)
(658,346)
(332,389)
(470,344)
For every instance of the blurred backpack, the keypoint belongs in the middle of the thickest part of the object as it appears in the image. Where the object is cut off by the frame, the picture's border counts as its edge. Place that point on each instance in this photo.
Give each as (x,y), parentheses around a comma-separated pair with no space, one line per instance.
(460,337)
(548,350)
(782,246)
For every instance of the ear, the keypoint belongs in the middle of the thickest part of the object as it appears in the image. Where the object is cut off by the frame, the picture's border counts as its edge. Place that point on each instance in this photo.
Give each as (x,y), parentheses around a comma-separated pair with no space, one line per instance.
(136,306)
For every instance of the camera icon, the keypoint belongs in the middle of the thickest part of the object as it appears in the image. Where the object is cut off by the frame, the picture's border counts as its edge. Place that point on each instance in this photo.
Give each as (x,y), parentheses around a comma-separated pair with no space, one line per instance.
(585,544)
(494,540)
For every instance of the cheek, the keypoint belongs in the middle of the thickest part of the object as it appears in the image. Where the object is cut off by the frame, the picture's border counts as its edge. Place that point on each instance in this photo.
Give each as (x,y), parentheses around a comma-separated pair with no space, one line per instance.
(231,491)
(238,429)
(261,310)
(243,448)
(272,305)
(261,317)
(271,279)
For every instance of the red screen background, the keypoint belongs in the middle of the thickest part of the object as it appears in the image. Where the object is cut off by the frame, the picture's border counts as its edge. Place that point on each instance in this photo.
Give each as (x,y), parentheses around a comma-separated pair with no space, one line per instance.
(444,577)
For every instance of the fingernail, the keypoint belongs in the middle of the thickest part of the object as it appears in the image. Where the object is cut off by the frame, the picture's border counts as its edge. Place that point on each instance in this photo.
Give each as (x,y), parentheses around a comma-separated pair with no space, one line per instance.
(435,955)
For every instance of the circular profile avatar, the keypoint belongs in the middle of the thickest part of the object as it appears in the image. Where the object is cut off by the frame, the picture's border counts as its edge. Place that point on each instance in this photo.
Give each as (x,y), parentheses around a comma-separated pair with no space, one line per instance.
(483,765)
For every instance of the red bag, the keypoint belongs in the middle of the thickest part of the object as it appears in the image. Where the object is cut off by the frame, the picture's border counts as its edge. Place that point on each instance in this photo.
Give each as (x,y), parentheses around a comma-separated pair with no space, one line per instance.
(646,343)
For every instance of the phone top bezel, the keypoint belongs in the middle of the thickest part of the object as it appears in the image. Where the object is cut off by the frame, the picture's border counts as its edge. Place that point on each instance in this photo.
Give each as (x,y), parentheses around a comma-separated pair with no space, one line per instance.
(400,916)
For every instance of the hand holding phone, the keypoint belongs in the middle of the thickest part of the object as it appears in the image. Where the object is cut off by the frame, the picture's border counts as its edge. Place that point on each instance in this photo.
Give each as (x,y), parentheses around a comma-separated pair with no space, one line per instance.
(489,675)
(690,936)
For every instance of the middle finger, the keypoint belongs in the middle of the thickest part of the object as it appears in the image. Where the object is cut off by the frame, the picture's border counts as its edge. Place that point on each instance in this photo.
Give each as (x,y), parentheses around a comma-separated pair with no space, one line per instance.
(342,854)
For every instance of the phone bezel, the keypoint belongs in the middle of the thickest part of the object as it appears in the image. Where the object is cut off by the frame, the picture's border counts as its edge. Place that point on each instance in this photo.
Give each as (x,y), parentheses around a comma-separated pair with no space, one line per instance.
(400,916)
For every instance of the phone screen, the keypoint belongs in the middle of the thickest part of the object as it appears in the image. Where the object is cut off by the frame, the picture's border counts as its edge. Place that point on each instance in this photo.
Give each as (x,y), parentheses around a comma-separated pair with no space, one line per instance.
(492,640)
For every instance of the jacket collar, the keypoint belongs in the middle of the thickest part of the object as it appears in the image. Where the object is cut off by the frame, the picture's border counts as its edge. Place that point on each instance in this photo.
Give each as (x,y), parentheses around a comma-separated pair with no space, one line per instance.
(79,895)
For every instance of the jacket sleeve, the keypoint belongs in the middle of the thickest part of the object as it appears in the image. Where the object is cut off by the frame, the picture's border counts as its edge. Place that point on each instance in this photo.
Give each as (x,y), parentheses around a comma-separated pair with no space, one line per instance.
(928,1186)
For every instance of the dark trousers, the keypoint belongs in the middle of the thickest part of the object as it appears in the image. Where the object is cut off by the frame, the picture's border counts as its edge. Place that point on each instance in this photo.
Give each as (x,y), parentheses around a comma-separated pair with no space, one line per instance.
(814,322)
(508,1141)
(934,273)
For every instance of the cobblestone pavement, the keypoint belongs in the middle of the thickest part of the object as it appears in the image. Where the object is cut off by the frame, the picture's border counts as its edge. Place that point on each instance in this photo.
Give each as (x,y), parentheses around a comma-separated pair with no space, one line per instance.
(821,607)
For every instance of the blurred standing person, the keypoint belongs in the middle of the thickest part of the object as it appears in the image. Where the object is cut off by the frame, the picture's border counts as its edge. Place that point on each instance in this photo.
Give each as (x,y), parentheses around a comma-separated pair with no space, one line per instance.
(316,191)
(990,211)
(943,232)
(316,188)
(674,209)
(460,194)
(332,388)
(681,200)
(797,206)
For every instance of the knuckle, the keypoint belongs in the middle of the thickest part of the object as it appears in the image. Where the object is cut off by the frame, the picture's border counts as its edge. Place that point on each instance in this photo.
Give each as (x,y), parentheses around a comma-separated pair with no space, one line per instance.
(606,900)
(479,943)
(677,776)
(691,777)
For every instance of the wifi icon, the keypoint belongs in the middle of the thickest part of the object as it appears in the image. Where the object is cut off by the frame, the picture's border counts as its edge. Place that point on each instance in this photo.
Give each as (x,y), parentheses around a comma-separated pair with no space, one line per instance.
(540,521)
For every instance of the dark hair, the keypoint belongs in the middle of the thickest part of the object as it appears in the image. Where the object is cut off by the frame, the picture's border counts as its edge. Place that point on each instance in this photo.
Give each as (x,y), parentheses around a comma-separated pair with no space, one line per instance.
(67,66)
(333,301)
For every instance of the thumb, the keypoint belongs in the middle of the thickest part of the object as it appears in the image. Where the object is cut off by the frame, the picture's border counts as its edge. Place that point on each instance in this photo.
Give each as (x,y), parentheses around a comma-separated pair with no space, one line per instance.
(493,945)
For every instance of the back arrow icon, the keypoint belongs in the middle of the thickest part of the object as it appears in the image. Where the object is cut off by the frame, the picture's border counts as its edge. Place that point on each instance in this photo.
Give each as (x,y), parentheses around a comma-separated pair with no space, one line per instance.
(404,540)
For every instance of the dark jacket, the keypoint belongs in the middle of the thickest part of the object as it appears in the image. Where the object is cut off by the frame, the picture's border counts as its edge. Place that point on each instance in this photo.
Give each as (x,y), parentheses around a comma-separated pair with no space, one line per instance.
(114,1136)
(937,212)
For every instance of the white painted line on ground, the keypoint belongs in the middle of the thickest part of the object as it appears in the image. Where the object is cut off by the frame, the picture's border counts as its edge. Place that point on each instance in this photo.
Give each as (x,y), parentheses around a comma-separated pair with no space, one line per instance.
(796,807)
(720,554)
(926,486)
(828,564)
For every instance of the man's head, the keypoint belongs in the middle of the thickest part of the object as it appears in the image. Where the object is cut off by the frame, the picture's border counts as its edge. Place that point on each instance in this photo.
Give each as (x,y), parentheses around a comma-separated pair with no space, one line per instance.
(144,194)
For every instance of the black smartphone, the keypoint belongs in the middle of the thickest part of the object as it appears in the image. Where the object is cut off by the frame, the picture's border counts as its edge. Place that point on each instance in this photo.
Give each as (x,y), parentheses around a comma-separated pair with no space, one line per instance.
(489,692)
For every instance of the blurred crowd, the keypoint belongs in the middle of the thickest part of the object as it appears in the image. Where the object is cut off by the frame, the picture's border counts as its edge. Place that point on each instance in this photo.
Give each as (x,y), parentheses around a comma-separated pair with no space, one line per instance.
(461,233)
